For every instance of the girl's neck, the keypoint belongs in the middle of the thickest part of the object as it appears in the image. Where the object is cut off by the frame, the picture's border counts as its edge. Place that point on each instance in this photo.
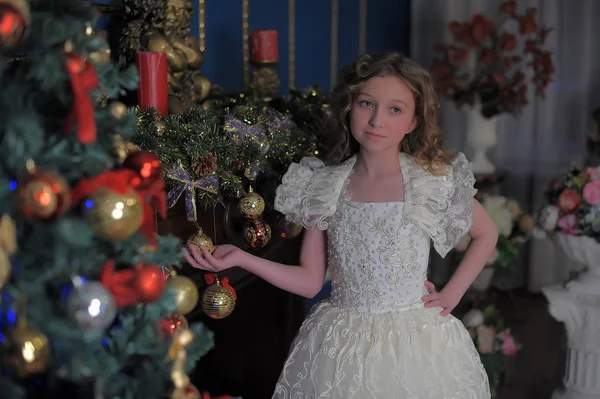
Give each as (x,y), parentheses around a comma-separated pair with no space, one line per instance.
(377,165)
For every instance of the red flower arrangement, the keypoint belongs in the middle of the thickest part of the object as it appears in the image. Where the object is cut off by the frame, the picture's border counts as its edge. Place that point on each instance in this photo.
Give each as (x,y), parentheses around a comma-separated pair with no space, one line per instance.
(486,62)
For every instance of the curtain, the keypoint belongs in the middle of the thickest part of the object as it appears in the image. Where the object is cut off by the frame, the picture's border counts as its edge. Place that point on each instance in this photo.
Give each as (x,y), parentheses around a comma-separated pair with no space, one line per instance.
(550,133)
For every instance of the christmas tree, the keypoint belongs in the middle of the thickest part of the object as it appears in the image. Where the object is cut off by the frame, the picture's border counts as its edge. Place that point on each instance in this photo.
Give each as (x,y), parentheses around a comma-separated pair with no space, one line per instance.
(90,305)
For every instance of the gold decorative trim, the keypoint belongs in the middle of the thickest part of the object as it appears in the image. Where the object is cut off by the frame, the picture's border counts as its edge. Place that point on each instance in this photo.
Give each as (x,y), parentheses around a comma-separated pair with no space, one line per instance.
(292,43)
(202,25)
(335,8)
(246,42)
(362,27)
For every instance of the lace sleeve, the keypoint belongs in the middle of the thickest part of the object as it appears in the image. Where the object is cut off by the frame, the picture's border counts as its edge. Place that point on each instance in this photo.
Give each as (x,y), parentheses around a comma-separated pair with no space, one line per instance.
(461,208)
(306,195)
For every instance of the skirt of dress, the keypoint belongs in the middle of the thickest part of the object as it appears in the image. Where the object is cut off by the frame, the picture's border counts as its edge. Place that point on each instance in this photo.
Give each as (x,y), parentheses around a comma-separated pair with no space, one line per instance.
(410,354)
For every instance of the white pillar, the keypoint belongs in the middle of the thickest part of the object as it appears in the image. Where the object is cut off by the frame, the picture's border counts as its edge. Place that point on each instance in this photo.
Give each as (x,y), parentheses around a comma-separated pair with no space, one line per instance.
(581,314)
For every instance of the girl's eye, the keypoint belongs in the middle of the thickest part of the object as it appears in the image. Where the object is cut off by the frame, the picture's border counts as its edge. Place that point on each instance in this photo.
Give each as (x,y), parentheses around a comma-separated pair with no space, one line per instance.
(366,103)
(395,110)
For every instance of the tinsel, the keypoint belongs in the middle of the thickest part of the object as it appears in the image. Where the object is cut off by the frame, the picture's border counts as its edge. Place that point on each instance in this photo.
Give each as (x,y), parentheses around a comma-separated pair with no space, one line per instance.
(251,141)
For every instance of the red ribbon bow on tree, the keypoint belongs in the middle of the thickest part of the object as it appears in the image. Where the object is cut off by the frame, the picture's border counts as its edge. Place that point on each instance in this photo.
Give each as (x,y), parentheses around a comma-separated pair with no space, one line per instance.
(83,79)
(212,278)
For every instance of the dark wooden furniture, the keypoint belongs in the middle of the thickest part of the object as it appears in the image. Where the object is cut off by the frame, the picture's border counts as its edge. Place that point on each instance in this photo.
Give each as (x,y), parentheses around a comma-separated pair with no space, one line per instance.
(252,343)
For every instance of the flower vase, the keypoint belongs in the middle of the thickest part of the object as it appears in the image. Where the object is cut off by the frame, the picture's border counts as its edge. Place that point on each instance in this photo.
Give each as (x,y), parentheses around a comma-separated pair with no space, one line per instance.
(482,136)
(483,280)
(584,250)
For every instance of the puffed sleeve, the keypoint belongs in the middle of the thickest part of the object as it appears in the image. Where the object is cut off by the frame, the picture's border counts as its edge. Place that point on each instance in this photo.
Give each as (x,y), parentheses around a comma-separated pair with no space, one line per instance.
(308,193)
(441,205)
(460,205)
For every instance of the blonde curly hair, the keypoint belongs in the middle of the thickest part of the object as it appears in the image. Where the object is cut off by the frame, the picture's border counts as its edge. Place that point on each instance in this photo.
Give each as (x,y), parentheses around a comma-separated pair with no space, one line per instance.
(423,143)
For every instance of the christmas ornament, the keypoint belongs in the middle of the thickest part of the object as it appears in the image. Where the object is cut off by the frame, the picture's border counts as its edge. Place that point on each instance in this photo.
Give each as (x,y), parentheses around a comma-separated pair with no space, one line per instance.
(177,352)
(149,283)
(26,350)
(218,300)
(159,128)
(171,325)
(122,148)
(8,246)
(288,230)
(200,239)
(252,205)
(118,109)
(14,22)
(91,306)
(147,166)
(257,233)
(43,194)
(101,56)
(112,216)
(118,184)
(186,294)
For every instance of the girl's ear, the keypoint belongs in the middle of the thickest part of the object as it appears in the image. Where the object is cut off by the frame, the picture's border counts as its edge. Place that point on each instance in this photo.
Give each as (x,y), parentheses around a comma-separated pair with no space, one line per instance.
(413,125)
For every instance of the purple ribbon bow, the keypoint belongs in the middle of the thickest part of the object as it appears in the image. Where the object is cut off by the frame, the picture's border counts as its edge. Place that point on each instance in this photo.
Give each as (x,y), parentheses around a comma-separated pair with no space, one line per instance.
(238,131)
(209,183)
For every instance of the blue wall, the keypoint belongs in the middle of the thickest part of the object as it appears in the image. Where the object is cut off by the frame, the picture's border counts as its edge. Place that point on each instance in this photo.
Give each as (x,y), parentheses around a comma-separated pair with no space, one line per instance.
(387,29)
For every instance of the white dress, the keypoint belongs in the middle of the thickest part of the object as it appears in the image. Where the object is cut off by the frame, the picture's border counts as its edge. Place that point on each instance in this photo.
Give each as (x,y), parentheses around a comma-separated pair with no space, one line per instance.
(373,338)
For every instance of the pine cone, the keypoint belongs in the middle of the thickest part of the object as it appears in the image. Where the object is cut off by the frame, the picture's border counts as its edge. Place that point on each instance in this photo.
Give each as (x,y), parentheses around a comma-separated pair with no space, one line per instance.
(206,165)
(239,163)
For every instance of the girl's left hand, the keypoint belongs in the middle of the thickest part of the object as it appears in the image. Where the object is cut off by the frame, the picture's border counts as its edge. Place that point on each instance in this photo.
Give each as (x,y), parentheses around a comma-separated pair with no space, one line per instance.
(439,299)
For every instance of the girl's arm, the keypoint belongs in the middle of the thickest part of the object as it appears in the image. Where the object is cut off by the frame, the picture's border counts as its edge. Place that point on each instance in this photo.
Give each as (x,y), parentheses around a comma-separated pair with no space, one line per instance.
(484,237)
(305,280)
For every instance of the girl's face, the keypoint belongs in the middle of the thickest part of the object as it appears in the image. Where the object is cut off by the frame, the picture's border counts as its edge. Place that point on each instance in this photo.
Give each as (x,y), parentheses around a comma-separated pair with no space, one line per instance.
(383,112)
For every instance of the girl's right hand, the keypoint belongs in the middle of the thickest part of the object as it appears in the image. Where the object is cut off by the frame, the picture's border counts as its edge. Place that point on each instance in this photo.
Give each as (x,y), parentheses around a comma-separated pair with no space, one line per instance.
(222,258)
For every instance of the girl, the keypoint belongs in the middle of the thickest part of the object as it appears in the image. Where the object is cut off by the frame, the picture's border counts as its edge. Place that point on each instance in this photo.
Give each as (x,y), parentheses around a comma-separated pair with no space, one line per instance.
(370,217)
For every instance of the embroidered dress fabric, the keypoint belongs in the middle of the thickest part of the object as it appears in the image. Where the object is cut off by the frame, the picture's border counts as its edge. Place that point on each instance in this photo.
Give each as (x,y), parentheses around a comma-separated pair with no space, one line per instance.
(373,338)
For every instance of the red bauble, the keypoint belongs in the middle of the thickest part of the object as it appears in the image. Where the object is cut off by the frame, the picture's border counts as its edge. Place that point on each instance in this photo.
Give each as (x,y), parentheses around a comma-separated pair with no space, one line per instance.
(147,167)
(172,324)
(43,195)
(14,22)
(149,283)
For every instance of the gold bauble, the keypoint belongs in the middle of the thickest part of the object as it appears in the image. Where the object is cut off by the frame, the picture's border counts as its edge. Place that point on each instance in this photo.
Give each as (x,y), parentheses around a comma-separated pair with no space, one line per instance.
(27,351)
(101,56)
(159,128)
(113,216)
(186,294)
(252,205)
(200,239)
(217,301)
(118,109)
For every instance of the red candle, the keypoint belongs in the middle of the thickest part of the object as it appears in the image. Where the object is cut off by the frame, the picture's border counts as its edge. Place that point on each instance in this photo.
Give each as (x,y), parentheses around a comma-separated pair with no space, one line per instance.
(264,46)
(153,91)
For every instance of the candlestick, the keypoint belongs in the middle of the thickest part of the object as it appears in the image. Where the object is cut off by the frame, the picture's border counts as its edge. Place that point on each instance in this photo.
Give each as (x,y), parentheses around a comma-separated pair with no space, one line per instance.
(265,83)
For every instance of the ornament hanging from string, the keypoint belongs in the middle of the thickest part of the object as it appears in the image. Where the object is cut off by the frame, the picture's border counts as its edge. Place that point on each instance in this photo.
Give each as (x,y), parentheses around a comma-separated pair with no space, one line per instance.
(252,205)
(257,233)
(218,299)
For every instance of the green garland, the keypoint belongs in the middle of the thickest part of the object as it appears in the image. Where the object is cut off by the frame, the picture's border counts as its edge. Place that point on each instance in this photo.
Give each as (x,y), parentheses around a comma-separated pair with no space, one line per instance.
(218,153)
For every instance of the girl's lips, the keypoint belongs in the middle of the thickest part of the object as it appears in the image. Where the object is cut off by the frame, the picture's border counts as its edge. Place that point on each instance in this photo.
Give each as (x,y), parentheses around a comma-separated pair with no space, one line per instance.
(374,135)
